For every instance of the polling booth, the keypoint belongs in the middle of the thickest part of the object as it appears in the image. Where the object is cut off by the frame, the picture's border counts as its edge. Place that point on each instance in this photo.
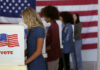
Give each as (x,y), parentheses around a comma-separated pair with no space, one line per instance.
(12,47)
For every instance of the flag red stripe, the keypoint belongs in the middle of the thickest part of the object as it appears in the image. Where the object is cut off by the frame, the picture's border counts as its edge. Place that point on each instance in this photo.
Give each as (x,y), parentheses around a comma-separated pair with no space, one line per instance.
(89,24)
(13,43)
(86,13)
(3,43)
(83,13)
(13,35)
(13,40)
(90,35)
(89,46)
(66,2)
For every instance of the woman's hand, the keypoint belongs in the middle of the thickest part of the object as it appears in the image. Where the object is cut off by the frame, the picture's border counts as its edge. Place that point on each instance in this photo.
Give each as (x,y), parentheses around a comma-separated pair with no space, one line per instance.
(38,51)
(27,61)
(48,48)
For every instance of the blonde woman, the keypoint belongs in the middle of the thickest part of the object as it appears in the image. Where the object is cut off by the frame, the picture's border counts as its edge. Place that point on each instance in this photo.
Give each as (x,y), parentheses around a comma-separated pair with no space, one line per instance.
(35,39)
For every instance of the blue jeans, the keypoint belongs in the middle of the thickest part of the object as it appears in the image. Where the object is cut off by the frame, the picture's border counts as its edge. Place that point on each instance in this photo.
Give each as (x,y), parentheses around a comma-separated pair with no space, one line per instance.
(76,55)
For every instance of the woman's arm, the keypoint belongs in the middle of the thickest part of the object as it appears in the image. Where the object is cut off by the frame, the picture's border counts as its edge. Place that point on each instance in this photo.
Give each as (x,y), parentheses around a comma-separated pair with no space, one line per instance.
(38,51)
(26,52)
(77,33)
(48,40)
(68,35)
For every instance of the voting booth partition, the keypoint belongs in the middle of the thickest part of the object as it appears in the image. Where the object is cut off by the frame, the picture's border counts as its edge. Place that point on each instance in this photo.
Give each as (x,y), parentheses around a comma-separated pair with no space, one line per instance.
(12,47)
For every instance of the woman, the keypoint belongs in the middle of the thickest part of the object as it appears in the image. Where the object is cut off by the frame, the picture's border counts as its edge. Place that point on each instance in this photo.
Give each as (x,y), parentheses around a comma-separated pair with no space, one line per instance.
(50,14)
(35,39)
(78,43)
(67,39)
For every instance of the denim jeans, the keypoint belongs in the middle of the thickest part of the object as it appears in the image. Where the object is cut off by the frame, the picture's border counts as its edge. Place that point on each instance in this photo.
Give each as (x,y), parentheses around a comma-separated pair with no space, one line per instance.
(76,55)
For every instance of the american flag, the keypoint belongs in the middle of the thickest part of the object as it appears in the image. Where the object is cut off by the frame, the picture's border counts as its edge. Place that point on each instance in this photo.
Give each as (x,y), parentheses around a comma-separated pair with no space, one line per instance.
(88,11)
(10,10)
(9,40)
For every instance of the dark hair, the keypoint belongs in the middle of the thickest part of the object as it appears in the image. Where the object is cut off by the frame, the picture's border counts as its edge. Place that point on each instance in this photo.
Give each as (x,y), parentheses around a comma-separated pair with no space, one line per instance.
(78,20)
(67,17)
(50,12)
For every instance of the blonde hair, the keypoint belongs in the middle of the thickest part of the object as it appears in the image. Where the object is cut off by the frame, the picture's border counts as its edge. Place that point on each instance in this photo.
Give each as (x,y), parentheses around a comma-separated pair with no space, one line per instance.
(31,18)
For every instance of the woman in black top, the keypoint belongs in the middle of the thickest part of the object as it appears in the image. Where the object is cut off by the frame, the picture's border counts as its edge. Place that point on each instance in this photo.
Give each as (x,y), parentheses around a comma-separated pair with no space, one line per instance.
(76,55)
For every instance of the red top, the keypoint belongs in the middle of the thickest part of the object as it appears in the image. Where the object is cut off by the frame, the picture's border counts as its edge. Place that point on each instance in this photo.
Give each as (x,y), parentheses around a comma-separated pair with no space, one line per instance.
(53,41)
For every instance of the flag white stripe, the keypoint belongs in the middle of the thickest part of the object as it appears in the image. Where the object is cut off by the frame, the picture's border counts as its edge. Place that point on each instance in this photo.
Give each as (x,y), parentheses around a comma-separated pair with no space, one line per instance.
(90,40)
(73,7)
(84,29)
(17,20)
(89,29)
(89,18)
(9,20)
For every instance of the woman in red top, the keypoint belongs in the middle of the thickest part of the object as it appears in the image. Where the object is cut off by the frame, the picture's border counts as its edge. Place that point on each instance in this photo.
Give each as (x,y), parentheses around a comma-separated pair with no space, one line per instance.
(50,14)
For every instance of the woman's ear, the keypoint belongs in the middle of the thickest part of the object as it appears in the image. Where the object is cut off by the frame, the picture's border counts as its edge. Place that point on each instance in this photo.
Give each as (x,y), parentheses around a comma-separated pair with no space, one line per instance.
(47,19)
